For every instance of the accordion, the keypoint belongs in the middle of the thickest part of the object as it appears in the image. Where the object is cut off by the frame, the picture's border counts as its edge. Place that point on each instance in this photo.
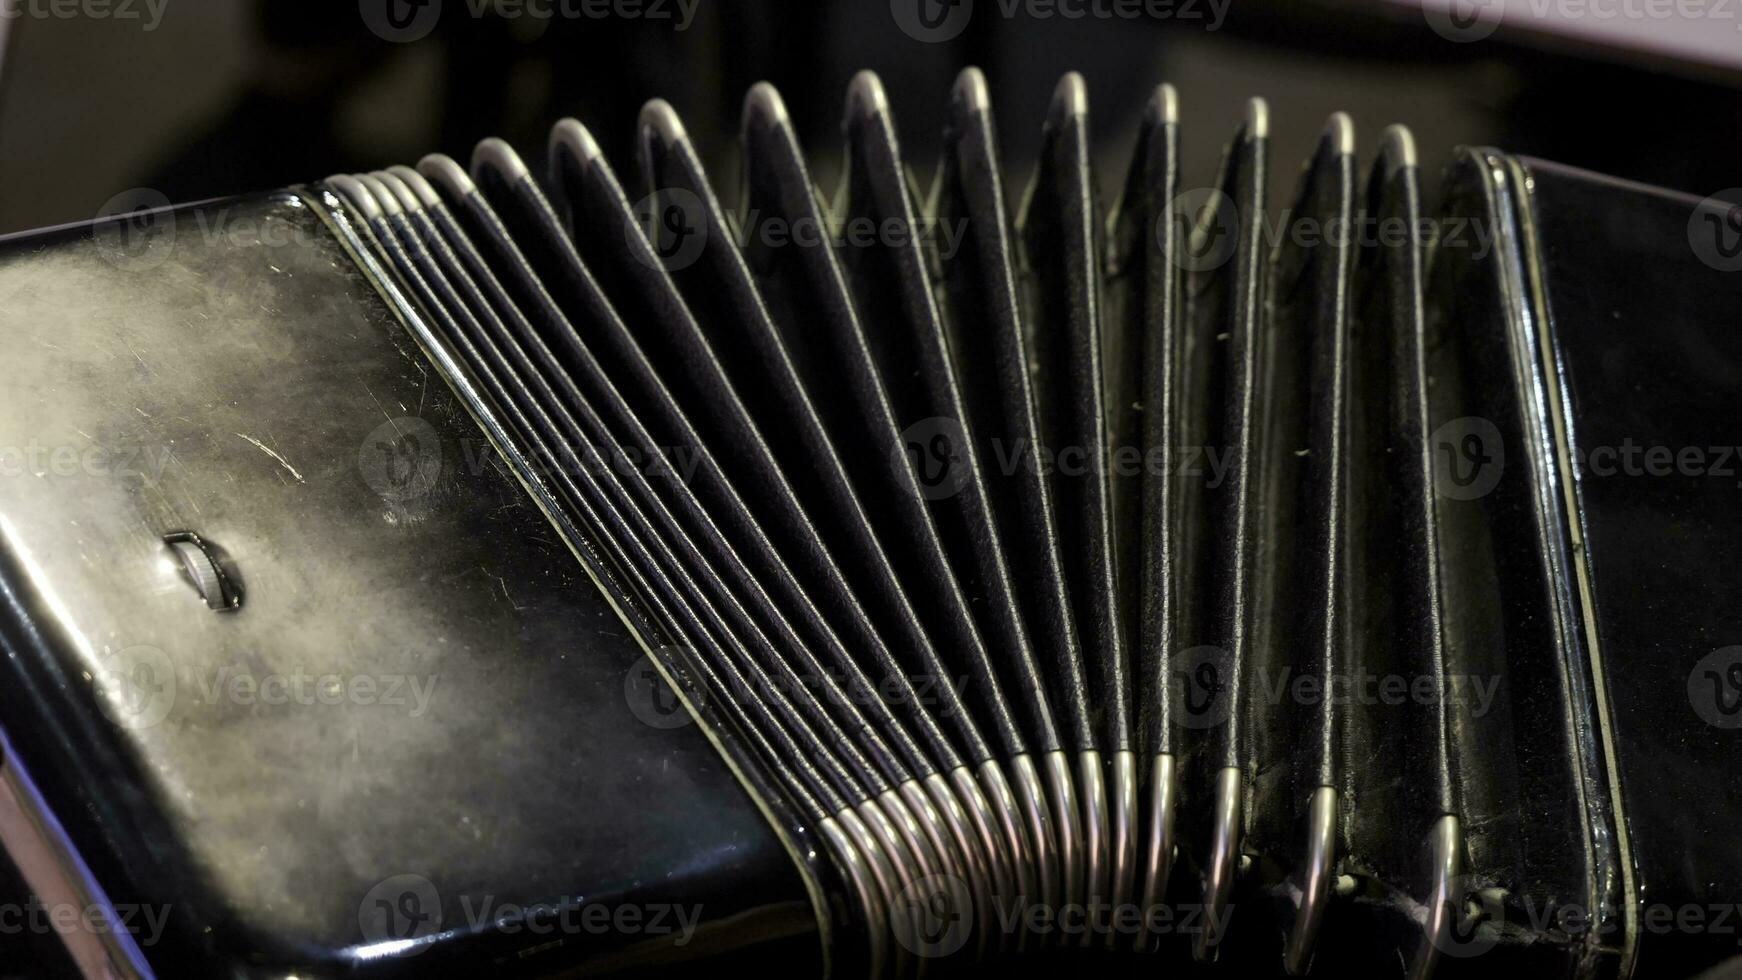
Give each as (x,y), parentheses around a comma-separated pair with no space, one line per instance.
(521,568)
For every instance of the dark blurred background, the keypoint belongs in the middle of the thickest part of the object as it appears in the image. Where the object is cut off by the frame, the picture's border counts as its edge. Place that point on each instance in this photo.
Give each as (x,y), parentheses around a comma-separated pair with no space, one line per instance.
(199,98)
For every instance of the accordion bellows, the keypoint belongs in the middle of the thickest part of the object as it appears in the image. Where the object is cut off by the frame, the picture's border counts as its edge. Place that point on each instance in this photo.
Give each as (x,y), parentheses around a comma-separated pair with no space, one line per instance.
(1076,575)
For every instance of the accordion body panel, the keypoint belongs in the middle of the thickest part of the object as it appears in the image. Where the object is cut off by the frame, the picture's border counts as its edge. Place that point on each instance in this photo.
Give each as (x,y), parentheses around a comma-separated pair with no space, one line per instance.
(423,687)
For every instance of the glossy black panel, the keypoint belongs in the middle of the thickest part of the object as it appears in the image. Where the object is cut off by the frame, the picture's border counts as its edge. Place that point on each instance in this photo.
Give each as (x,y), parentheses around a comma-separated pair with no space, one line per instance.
(297,424)
(1528,768)
(1643,302)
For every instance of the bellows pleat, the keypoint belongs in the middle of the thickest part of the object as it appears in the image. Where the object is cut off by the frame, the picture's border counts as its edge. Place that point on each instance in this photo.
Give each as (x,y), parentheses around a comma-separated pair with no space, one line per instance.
(992,530)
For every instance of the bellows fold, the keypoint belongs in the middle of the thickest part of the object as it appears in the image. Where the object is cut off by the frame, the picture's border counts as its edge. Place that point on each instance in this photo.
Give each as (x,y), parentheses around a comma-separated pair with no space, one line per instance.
(991,530)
